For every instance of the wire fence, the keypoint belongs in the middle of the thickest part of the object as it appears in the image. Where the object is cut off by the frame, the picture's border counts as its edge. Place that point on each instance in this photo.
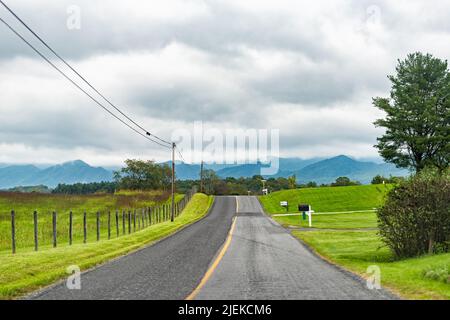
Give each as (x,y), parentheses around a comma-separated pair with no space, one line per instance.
(24,230)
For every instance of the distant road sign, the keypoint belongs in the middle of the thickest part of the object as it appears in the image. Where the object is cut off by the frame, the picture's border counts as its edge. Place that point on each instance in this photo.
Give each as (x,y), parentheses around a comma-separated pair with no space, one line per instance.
(283,203)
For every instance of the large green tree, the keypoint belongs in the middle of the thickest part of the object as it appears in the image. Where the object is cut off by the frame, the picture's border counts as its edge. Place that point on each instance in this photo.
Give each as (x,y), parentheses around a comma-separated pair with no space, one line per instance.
(417,118)
(143,175)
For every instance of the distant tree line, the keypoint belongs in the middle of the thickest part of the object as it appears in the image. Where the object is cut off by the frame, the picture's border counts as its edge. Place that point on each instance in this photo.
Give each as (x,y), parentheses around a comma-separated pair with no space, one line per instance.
(212,184)
(31,189)
(391,180)
(86,188)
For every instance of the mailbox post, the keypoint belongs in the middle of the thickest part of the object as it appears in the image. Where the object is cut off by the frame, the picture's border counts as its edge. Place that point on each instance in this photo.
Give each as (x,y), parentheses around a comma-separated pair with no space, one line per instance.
(284,204)
(306,209)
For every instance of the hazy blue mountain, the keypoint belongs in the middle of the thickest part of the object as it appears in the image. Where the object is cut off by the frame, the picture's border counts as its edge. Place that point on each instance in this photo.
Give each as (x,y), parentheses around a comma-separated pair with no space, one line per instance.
(245,170)
(15,175)
(293,164)
(321,171)
(286,165)
(328,170)
(186,171)
(69,173)
(318,170)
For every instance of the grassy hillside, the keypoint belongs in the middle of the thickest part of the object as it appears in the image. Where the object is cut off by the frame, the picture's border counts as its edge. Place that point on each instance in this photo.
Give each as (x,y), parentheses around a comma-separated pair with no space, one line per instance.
(25,204)
(27,271)
(328,199)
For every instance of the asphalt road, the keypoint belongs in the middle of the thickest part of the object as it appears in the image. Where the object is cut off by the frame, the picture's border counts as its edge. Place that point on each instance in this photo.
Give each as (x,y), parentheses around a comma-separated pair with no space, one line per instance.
(263,261)
(257,260)
(170,269)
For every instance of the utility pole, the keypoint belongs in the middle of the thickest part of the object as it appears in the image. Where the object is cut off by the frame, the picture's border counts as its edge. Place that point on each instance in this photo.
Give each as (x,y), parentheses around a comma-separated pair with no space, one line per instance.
(172,215)
(264,190)
(201,177)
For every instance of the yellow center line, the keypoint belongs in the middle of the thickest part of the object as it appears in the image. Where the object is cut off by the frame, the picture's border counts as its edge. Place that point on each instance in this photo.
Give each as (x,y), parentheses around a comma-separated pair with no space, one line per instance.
(216,262)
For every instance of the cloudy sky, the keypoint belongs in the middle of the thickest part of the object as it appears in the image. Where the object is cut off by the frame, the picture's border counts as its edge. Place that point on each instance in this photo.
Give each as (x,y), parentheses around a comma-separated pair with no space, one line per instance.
(308,68)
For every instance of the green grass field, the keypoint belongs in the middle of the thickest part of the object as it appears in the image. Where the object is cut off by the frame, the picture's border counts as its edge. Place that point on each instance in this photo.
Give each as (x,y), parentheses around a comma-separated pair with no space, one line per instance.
(344,241)
(25,203)
(357,250)
(27,271)
(328,199)
(332,221)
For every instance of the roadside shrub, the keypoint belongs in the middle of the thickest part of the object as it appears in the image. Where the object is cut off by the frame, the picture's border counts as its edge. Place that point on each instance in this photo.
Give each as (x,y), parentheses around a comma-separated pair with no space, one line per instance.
(415,218)
(441,274)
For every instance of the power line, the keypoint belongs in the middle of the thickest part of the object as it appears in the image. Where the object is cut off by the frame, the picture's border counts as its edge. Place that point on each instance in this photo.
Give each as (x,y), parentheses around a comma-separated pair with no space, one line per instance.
(79,75)
(76,85)
(180,154)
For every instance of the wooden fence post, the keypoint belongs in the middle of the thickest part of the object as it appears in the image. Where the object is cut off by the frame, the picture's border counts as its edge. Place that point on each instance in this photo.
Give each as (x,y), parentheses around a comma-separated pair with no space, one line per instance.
(13,231)
(117,223)
(143,218)
(134,220)
(159,214)
(123,222)
(84,227)
(35,220)
(150,215)
(70,228)
(98,226)
(54,229)
(138,220)
(146,216)
(109,225)
(129,222)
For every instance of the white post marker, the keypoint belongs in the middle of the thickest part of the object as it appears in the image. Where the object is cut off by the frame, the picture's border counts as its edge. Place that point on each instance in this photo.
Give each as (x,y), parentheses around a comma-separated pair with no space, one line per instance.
(310,212)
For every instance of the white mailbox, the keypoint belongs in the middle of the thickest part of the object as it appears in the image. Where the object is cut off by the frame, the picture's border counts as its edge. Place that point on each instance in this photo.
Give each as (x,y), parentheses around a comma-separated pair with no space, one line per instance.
(283,203)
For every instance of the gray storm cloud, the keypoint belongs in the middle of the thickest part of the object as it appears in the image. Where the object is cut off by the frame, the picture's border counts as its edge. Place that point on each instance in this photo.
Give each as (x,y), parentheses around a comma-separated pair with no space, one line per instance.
(307,68)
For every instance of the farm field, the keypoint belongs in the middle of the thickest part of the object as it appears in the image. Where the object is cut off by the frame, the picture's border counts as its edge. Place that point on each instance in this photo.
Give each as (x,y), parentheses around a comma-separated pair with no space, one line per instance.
(28,270)
(350,241)
(24,205)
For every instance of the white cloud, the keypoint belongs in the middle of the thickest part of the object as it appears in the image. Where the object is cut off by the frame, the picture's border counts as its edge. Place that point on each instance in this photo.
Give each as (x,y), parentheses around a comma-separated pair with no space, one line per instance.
(307,68)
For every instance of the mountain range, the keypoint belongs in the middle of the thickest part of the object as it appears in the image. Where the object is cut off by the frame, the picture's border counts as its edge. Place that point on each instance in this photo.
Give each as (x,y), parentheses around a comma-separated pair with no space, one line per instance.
(318,170)
(69,173)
